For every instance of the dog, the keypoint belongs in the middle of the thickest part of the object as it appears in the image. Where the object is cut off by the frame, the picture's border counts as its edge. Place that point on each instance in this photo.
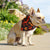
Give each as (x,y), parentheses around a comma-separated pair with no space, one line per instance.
(19,34)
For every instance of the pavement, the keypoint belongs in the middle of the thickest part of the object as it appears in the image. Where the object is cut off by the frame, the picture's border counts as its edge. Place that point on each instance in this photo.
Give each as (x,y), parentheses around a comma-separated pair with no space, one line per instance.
(42,42)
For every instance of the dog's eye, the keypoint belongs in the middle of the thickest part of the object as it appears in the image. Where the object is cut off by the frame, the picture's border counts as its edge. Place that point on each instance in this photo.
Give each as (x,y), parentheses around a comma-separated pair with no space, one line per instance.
(39,17)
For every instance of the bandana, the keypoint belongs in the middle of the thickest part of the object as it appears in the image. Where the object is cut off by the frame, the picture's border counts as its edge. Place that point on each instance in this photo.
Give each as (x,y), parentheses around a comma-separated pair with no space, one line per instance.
(27,24)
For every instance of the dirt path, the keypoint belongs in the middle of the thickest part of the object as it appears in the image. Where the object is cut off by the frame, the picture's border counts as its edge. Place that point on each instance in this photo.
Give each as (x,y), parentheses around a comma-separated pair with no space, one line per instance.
(42,42)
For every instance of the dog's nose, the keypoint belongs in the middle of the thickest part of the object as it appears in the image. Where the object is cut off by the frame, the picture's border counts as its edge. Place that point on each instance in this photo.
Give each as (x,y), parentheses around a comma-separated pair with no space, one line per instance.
(43,20)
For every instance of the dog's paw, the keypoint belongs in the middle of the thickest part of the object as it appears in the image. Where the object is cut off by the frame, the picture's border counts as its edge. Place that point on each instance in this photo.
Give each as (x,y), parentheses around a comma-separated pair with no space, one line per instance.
(24,44)
(31,44)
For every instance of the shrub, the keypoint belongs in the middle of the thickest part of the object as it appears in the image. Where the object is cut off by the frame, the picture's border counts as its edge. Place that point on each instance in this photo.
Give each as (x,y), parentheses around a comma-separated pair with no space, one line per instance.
(4,29)
(11,5)
(38,31)
(47,25)
(49,30)
(6,25)
(3,33)
(4,15)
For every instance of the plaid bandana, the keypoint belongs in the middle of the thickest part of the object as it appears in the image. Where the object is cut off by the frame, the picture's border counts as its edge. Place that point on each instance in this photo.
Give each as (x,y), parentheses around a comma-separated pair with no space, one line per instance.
(27,24)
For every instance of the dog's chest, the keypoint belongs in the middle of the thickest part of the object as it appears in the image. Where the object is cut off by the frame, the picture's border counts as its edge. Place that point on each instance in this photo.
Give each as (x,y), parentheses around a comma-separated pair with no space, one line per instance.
(27,24)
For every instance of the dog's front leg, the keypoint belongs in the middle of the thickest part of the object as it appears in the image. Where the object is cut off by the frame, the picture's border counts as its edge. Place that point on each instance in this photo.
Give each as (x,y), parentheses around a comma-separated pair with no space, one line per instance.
(23,39)
(30,40)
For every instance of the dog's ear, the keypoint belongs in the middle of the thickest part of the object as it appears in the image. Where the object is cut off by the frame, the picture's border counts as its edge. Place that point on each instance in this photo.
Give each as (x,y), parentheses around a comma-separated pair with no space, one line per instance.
(38,10)
(32,11)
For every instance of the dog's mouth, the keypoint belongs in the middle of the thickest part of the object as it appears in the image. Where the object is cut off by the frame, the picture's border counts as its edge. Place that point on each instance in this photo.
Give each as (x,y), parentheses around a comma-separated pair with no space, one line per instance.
(40,23)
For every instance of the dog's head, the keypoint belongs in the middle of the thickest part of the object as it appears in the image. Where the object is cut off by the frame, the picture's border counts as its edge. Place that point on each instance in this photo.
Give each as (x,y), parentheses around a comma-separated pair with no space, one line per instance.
(36,17)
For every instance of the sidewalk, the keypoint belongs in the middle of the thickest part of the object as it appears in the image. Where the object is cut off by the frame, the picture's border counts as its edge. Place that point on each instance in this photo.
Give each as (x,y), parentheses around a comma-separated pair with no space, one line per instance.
(42,42)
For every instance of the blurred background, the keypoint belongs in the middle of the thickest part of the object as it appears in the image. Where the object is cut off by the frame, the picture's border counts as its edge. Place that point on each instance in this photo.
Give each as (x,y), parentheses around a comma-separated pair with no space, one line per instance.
(8,20)
(44,6)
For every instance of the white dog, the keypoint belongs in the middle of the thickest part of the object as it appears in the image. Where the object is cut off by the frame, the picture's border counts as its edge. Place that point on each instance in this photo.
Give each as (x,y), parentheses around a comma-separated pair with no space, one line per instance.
(16,34)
